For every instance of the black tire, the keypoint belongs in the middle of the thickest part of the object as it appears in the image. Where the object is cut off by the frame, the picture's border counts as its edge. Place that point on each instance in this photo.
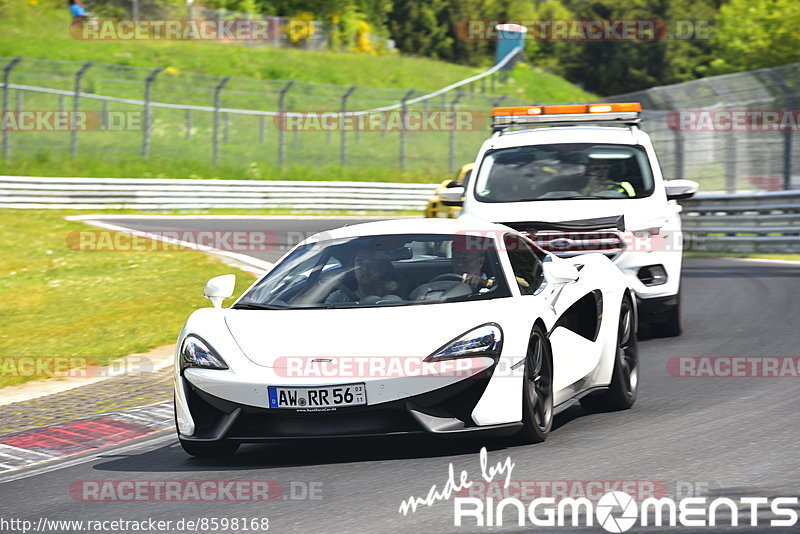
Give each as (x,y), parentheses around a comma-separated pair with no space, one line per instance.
(672,326)
(209,450)
(621,393)
(537,390)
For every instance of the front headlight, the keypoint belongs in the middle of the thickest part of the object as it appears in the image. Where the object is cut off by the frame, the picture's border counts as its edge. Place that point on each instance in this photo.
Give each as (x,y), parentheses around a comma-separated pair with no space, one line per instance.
(197,353)
(485,340)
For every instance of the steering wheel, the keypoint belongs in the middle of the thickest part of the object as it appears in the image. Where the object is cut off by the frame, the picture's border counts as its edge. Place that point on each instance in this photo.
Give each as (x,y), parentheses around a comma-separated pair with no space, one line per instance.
(452,277)
(441,290)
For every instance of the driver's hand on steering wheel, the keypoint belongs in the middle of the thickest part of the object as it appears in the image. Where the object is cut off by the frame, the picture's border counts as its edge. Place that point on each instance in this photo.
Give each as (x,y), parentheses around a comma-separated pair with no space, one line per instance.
(475,281)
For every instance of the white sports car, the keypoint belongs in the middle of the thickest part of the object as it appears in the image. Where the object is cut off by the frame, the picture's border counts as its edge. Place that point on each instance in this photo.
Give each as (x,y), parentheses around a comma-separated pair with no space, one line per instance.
(447,327)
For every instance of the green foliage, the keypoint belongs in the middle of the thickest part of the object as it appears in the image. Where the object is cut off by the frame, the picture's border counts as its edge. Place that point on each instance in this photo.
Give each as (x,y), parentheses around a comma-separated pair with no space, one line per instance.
(754,34)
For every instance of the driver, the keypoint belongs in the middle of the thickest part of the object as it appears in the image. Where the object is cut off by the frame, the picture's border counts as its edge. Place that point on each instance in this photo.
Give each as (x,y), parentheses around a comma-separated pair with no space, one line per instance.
(469,264)
(374,276)
(600,181)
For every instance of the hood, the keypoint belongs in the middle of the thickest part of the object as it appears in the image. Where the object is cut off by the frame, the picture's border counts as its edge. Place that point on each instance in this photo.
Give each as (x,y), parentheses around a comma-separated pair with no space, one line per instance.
(639,213)
(265,336)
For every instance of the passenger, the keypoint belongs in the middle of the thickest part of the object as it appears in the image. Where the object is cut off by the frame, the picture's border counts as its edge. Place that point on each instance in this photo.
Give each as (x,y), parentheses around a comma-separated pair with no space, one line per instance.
(374,277)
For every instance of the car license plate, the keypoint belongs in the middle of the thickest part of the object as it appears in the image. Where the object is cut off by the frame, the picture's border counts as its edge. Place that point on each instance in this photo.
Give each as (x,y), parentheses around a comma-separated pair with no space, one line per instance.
(317,397)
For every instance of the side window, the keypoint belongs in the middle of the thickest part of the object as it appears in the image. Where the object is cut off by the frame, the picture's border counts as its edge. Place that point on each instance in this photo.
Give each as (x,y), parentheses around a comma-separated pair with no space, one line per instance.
(526,264)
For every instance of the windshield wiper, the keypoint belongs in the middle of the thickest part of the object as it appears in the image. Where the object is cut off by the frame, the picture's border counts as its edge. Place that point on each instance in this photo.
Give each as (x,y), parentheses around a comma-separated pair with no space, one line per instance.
(256,306)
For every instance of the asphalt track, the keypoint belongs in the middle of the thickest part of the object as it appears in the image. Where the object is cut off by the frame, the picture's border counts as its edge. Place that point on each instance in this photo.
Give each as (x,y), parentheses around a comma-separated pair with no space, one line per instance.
(730,437)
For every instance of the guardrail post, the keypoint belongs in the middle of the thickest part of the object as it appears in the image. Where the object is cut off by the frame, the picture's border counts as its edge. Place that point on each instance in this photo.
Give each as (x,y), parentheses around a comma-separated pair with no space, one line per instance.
(344,130)
(403,112)
(148,85)
(788,105)
(73,143)
(453,132)
(6,75)
(282,122)
(215,128)
(188,124)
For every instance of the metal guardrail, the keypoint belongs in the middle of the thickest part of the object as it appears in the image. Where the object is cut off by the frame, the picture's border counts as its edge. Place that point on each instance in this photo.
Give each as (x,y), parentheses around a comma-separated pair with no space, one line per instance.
(22,192)
(762,222)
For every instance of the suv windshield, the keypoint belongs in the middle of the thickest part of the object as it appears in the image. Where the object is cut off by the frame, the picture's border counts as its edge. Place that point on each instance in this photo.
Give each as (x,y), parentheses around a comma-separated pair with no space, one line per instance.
(564,171)
(385,270)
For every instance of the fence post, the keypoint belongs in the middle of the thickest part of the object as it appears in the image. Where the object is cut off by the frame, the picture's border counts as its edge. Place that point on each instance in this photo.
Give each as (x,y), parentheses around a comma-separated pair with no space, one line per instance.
(262,129)
(73,144)
(403,112)
(215,128)
(788,105)
(344,130)
(105,114)
(188,124)
(135,10)
(499,101)
(148,85)
(282,122)
(226,134)
(453,104)
(6,75)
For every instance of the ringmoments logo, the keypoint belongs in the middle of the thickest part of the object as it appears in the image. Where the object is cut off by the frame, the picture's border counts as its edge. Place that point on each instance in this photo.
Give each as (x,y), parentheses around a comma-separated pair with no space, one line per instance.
(614,511)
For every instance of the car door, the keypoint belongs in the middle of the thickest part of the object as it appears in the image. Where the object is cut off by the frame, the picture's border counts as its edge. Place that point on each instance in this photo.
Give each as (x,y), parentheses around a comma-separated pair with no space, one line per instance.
(576,307)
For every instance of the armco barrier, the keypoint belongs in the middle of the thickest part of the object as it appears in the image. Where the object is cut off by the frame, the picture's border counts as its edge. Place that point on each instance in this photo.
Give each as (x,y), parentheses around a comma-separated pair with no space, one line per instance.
(23,192)
(761,222)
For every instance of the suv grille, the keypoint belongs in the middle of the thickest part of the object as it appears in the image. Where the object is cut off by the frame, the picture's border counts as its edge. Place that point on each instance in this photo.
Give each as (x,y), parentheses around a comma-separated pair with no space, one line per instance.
(567,244)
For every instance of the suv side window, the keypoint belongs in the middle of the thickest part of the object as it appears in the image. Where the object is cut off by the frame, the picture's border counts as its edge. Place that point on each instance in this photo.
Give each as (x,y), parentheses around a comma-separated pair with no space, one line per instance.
(526,263)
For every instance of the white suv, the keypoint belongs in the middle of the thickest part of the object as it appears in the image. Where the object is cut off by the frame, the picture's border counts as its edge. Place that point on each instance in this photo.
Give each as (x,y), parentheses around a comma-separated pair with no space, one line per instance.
(587,182)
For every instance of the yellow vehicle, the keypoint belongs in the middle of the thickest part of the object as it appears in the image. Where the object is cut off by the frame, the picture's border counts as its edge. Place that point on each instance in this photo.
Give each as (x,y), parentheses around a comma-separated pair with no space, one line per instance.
(437,206)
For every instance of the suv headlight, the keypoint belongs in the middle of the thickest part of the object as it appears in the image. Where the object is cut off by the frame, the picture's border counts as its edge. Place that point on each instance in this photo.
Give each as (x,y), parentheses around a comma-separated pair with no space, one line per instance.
(485,340)
(197,353)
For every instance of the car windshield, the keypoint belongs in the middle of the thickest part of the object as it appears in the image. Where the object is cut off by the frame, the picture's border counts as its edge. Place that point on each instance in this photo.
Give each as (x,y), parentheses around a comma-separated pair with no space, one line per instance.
(385,270)
(564,171)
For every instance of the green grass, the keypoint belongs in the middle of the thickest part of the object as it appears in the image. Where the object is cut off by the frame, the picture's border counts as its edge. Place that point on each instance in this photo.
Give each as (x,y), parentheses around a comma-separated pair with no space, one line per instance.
(248,148)
(41,33)
(60,302)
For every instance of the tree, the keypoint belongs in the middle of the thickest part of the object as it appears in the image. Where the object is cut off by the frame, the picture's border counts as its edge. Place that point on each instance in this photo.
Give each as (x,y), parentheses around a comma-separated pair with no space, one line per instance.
(754,34)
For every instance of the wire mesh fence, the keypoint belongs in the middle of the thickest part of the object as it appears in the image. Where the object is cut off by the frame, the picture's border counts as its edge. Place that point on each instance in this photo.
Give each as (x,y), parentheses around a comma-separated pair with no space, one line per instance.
(164,113)
(737,132)
(729,133)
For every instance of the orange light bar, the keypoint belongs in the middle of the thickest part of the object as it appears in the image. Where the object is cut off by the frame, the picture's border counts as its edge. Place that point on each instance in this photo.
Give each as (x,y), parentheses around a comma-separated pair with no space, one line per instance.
(566,109)
(561,110)
(516,110)
(615,108)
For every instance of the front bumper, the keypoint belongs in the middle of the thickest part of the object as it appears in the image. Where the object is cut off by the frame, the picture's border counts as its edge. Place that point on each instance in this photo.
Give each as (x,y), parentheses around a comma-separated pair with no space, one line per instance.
(656,310)
(443,412)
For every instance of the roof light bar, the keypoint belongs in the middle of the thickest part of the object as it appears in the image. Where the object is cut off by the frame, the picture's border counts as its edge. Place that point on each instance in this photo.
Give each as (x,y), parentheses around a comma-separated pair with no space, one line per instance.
(505,117)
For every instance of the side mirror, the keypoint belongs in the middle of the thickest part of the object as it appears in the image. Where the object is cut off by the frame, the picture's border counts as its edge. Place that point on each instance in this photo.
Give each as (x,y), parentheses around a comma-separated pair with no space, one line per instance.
(220,288)
(452,196)
(560,272)
(681,189)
